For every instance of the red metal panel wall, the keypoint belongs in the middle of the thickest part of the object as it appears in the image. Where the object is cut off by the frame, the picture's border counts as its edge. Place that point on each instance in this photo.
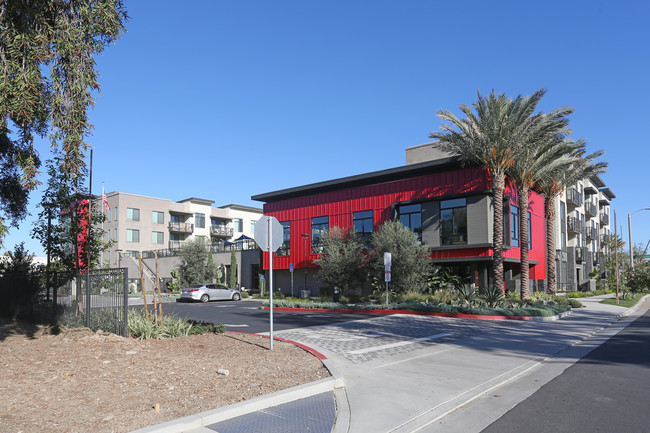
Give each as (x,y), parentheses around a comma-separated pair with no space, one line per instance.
(340,205)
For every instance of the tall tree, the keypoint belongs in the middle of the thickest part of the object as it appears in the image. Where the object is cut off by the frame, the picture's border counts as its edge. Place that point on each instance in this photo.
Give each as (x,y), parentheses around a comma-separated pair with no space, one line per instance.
(48,79)
(541,146)
(488,138)
(193,263)
(342,261)
(573,167)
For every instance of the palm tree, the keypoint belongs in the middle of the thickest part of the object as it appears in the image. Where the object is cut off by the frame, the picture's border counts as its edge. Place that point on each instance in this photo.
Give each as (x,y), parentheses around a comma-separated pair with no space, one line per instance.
(573,167)
(540,148)
(488,138)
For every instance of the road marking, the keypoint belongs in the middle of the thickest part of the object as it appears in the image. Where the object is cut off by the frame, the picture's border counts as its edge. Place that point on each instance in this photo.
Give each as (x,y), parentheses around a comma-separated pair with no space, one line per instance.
(397,344)
(317,315)
(250,308)
(223,306)
(235,326)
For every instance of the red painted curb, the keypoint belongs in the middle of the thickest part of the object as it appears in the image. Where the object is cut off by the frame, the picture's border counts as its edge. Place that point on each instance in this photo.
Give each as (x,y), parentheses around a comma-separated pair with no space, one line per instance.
(418,313)
(314,352)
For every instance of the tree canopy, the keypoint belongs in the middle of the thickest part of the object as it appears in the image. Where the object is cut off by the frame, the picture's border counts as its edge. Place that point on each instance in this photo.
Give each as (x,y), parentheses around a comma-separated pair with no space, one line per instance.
(48,83)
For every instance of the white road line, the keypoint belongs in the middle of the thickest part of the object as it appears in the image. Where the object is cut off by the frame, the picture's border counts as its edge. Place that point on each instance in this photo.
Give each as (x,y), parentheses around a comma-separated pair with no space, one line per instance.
(317,315)
(235,326)
(397,344)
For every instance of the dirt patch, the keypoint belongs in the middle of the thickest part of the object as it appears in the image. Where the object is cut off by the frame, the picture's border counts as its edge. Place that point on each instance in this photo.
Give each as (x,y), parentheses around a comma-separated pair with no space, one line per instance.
(82,381)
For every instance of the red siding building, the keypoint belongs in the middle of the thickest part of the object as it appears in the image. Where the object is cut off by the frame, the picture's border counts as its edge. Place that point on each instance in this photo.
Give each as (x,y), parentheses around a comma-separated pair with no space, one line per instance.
(448,205)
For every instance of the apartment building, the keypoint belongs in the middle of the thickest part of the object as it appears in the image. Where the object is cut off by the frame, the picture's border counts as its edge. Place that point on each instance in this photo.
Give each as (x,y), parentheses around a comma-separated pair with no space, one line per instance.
(582,223)
(447,204)
(137,223)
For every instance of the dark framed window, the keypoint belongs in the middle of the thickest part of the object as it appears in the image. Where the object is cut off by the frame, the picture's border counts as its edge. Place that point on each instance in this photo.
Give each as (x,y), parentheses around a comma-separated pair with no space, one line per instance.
(562,227)
(530,232)
(132,214)
(514,223)
(410,215)
(157,237)
(285,248)
(176,218)
(453,222)
(238,224)
(319,229)
(363,224)
(506,224)
(199,220)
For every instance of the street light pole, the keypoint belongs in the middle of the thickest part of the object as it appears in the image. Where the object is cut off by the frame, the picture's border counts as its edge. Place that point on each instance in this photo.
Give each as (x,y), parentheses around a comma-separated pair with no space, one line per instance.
(629,230)
(305,236)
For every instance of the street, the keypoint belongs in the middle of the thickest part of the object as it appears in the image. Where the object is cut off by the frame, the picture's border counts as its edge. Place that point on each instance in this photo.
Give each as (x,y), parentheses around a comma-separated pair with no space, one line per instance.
(607,390)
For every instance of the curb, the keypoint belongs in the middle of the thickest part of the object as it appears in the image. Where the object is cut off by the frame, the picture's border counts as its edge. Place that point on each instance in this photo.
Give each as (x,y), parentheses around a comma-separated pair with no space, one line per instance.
(335,383)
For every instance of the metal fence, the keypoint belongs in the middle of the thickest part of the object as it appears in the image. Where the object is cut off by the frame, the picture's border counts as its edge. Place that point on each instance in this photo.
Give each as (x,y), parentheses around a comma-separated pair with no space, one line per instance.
(97,300)
(100,297)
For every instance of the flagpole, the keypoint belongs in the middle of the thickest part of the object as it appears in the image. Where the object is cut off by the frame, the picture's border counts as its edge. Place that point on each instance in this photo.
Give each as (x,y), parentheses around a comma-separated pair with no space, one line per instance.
(103,218)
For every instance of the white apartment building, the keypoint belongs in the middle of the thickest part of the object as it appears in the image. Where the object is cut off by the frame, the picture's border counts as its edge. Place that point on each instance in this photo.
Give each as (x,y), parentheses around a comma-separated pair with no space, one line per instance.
(582,222)
(137,223)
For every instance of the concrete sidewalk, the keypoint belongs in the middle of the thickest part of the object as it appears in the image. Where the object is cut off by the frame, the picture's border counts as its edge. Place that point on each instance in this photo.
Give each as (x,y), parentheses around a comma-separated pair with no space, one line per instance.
(411,373)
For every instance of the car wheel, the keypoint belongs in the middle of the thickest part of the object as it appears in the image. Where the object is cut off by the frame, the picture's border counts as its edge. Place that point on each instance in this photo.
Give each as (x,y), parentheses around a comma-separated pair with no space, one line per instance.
(205,298)
(236,297)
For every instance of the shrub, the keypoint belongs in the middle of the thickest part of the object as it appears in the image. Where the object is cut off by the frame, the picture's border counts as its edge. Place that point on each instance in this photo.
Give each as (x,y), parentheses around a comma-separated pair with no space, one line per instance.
(244,295)
(493,296)
(141,328)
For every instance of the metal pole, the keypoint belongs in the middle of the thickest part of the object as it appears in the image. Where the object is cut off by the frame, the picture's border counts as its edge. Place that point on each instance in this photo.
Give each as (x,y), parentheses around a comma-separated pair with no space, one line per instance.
(304,244)
(270,239)
(629,229)
(89,222)
(616,255)
(292,281)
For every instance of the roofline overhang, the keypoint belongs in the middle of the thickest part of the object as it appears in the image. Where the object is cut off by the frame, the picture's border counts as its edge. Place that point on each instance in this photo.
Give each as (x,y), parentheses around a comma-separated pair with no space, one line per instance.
(391,174)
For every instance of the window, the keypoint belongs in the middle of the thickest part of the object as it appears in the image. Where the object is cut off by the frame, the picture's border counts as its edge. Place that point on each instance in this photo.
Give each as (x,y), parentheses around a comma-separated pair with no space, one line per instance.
(253,226)
(410,216)
(453,222)
(157,237)
(109,235)
(115,213)
(530,233)
(132,235)
(363,225)
(506,223)
(562,227)
(115,234)
(319,228)
(514,233)
(157,217)
(132,253)
(176,219)
(238,224)
(109,257)
(108,217)
(285,248)
(199,220)
(132,214)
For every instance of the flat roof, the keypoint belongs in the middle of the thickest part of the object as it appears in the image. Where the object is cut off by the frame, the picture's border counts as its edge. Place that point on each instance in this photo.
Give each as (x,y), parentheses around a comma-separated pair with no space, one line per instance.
(242,207)
(396,173)
(608,193)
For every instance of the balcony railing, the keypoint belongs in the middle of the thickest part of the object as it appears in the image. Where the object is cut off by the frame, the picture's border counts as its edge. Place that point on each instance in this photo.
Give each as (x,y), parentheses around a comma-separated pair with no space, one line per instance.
(604,219)
(176,245)
(591,209)
(579,254)
(221,232)
(574,225)
(181,227)
(591,233)
(573,197)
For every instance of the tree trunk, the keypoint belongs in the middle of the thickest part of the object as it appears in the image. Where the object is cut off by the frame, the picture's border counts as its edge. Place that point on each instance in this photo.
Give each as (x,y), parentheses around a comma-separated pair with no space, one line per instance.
(498,186)
(549,214)
(523,241)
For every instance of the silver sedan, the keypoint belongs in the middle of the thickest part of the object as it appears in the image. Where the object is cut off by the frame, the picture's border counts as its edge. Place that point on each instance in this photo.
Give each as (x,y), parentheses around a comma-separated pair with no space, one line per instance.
(209,292)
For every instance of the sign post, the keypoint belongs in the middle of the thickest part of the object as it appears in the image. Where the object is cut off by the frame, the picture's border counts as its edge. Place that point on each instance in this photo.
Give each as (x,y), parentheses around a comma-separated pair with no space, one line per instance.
(387,265)
(268,235)
(291,270)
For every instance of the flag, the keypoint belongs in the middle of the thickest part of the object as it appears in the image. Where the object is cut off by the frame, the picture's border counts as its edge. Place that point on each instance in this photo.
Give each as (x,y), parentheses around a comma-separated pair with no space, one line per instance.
(108,208)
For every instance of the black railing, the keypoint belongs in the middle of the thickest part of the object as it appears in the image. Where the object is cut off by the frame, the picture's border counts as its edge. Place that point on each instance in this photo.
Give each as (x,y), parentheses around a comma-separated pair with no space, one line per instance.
(573,197)
(580,255)
(604,219)
(591,209)
(181,227)
(574,225)
(591,233)
(222,232)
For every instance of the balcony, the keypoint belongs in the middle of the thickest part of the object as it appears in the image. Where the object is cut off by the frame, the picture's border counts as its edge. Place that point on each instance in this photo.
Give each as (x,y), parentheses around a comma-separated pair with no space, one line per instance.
(181,227)
(591,210)
(176,245)
(591,233)
(221,232)
(573,197)
(579,255)
(574,225)
(604,219)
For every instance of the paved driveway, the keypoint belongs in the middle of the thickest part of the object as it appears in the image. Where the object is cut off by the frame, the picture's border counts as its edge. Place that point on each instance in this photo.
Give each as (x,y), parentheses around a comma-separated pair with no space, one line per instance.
(378,337)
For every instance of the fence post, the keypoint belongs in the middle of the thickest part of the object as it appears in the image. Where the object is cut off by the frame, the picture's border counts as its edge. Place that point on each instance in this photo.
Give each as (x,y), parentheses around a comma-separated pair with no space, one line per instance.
(125,273)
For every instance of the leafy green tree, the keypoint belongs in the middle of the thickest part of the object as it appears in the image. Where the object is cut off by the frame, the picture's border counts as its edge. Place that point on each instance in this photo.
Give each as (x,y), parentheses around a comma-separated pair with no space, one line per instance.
(193,263)
(488,138)
(411,263)
(342,262)
(20,279)
(233,269)
(48,82)
(210,269)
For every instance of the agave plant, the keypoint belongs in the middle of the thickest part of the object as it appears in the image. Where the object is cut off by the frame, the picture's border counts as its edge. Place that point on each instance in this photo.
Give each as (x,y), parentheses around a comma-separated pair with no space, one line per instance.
(493,296)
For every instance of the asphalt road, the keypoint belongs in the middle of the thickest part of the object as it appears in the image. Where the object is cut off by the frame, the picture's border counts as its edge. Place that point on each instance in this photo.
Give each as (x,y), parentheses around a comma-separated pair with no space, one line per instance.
(606,391)
(246,316)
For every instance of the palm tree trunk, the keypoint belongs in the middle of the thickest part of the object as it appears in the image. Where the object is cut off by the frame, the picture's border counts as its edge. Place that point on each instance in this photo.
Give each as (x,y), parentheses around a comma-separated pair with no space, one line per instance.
(523,241)
(498,186)
(549,214)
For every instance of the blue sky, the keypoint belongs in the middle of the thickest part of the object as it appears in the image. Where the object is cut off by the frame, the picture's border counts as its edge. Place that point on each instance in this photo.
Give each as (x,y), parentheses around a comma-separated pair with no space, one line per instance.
(224,100)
